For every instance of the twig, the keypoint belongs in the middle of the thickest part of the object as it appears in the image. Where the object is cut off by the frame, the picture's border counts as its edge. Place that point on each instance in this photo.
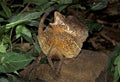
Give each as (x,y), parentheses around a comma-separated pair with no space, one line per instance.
(26,8)
(108,38)
(106,23)
(92,40)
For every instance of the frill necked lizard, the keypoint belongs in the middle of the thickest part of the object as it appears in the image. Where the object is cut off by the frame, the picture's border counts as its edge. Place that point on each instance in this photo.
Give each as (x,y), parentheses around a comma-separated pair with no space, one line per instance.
(63,38)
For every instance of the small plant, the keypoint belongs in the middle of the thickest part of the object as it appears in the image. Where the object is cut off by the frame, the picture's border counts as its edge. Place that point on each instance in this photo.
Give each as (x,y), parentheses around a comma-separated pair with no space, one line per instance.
(19,24)
(114,63)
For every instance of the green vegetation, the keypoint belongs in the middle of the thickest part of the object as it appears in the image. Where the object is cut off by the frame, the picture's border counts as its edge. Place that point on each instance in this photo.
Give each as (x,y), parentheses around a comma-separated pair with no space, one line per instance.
(114,63)
(19,23)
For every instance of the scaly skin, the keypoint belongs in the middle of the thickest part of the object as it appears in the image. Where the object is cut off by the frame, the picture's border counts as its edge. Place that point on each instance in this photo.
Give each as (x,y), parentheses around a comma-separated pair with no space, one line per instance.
(63,38)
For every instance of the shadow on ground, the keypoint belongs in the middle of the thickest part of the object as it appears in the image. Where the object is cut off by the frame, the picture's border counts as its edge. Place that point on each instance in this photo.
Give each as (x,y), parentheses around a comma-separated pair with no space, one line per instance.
(89,66)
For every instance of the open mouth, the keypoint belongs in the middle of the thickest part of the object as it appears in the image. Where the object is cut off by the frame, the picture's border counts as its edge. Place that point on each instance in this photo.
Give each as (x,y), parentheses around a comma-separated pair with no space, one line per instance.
(58,18)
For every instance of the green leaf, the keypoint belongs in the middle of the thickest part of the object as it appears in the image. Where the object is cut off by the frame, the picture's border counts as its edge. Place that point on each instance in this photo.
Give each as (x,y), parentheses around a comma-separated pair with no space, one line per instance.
(13,78)
(114,63)
(27,38)
(25,16)
(13,24)
(22,30)
(62,1)
(116,75)
(117,59)
(65,1)
(99,4)
(112,59)
(2,13)
(78,6)
(117,63)
(6,39)
(9,78)
(36,2)
(10,62)
(26,1)
(22,18)
(2,79)
(62,7)
(34,23)
(116,53)
(1,19)
(5,8)
(119,66)
(93,27)
(42,8)
(4,42)
(36,48)
(2,30)
(2,48)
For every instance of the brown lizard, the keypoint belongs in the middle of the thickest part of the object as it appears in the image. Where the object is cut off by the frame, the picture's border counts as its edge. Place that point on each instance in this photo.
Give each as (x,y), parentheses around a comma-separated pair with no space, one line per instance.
(62,39)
